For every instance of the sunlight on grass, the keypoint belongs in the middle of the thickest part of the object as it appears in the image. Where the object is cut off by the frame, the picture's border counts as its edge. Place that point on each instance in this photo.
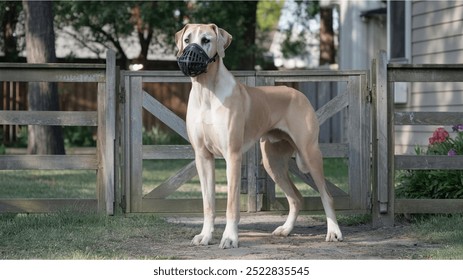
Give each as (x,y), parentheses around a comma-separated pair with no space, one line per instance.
(48,184)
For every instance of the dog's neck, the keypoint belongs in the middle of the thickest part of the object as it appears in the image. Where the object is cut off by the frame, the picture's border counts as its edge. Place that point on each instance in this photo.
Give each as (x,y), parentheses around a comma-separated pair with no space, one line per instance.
(217,75)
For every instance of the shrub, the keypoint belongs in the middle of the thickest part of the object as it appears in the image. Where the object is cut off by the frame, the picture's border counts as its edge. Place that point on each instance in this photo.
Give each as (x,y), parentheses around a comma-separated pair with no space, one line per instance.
(435,183)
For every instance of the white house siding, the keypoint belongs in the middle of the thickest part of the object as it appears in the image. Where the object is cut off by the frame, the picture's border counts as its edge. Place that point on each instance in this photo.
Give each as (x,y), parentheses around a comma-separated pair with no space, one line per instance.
(436,38)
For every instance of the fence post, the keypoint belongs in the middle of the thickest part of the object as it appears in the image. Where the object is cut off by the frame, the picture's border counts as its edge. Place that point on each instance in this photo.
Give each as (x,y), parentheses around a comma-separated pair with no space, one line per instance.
(383,187)
(106,136)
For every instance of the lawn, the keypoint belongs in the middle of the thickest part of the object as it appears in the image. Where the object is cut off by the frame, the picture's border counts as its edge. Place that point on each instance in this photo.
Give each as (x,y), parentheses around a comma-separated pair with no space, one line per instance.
(65,235)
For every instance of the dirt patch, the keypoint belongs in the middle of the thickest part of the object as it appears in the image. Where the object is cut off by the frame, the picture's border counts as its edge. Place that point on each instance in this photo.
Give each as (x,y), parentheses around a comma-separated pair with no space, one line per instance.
(305,242)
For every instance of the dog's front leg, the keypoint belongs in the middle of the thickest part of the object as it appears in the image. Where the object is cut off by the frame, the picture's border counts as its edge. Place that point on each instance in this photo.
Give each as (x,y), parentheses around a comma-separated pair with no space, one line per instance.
(230,235)
(205,165)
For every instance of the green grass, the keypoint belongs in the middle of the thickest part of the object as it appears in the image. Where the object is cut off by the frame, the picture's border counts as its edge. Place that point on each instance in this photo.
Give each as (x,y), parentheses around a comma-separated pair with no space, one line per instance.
(440,229)
(67,235)
(48,184)
(71,235)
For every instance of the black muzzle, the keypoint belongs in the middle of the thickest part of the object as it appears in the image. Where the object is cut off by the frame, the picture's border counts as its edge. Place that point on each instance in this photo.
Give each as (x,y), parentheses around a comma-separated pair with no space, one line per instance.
(194,60)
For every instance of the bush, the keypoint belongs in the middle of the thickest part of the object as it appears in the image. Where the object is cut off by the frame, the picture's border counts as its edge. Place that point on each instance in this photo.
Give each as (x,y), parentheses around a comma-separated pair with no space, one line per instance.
(158,136)
(435,183)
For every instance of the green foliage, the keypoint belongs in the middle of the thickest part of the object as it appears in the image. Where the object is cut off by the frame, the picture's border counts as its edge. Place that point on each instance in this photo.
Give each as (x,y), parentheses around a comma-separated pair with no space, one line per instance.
(159,136)
(268,14)
(239,19)
(79,136)
(435,183)
(293,45)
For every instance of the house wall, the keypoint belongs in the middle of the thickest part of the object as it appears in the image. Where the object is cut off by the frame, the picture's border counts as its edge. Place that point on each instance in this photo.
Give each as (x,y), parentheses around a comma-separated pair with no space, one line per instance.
(436,38)
(360,38)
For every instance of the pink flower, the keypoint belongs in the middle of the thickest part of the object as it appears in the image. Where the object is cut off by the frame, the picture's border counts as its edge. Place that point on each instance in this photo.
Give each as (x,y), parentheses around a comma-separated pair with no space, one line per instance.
(439,136)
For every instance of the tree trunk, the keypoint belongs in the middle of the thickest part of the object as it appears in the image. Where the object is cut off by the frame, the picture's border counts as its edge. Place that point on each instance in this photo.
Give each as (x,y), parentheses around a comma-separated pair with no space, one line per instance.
(327,51)
(40,48)
(248,62)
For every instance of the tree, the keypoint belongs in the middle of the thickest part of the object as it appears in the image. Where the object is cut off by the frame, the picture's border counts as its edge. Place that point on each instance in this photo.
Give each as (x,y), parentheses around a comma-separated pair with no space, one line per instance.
(105,24)
(327,50)
(309,9)
(9,12)
(239,19)
(40,48)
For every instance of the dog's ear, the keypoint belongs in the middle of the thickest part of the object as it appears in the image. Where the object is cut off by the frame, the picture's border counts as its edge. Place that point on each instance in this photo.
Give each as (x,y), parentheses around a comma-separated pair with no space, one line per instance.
(223,40)
(179,39)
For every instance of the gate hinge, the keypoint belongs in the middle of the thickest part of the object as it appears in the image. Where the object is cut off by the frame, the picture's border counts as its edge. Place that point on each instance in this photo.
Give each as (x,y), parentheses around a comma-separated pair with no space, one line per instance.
(121,96)
(369,95)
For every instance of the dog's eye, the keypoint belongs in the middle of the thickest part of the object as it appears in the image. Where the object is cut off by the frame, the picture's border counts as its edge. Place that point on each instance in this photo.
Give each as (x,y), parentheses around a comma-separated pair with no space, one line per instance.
(205,41)
(187,41)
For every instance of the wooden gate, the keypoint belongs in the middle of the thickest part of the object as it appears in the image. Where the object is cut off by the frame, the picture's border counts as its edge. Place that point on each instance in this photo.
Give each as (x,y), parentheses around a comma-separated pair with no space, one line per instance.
(258,191)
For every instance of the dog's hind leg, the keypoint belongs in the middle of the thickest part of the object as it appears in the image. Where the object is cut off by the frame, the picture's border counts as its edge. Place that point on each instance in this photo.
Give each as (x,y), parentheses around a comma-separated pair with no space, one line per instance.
(205,165)
(310,159)
(275,157)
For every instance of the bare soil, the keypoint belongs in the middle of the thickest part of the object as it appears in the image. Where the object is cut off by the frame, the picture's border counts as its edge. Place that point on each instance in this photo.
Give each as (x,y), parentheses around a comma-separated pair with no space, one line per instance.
(307,241)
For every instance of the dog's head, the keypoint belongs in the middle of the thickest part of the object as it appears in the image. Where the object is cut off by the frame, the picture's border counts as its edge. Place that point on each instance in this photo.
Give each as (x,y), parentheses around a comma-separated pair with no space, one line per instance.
(198,45)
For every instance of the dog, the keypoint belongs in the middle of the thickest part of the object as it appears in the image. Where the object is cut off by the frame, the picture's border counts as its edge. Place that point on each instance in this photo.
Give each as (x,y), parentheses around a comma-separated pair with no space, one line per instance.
(225,118)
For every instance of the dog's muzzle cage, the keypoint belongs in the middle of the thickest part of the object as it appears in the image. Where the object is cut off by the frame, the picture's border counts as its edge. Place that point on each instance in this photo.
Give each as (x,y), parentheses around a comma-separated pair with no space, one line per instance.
(194,60)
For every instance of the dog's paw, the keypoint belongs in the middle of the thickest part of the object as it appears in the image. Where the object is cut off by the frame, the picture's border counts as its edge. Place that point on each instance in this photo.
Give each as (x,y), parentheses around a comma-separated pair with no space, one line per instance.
(282,231)
(201,239)
(334,236)
(228,243)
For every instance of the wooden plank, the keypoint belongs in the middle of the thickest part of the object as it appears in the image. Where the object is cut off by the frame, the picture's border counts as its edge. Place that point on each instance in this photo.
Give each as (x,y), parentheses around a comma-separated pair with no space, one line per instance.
(252,166)
(428,118)
(169,186)
(46,205)
(332,107)
(383,204)
(355,141)
(334,150)
(61,118)
(48,162)
(424,73)
(161,112)
(101,143)
(311,204)
(422,162)
(109,111)
(428,206)
(168,152)
(126,143)
(136,144)
(55,74)
(159,205)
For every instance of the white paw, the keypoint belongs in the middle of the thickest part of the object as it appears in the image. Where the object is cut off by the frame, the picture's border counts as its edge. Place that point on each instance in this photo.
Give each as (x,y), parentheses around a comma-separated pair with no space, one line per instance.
(228,243)
(335,235)
(201,239)
(282,231)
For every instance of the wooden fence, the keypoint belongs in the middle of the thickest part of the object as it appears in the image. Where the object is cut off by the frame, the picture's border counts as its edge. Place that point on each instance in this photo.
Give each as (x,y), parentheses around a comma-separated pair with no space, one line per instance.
(384,75)
(356,149)
(103,119)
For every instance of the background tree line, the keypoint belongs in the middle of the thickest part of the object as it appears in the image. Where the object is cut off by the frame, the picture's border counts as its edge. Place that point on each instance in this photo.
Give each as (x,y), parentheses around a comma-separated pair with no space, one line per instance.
(97,25)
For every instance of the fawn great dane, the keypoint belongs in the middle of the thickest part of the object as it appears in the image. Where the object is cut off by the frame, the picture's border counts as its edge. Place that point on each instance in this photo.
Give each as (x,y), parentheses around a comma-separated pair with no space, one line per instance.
(225,118)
